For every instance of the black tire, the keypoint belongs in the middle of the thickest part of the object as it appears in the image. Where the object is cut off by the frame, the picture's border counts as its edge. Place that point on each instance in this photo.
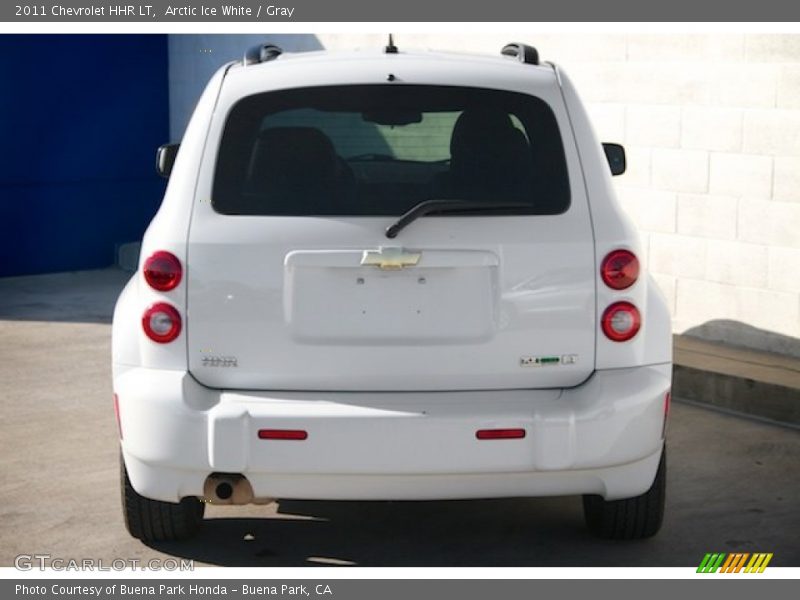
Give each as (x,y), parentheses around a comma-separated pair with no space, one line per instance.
(157,521)
(629,518)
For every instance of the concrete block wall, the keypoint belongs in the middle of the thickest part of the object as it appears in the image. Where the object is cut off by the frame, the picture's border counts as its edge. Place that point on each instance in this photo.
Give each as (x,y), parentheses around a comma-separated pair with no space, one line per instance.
(711,124)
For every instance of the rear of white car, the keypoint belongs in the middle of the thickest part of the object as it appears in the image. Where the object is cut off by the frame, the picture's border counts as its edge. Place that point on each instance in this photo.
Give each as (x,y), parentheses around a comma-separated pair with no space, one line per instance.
(290,334)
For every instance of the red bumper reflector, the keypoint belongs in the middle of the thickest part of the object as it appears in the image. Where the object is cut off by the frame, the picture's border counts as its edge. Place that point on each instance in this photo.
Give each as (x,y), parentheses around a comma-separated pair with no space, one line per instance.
(282,434)
(500,434)
(116,414)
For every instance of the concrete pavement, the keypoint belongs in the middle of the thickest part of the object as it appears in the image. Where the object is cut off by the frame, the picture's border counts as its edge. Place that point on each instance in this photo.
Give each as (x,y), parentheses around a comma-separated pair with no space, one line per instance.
(733,483)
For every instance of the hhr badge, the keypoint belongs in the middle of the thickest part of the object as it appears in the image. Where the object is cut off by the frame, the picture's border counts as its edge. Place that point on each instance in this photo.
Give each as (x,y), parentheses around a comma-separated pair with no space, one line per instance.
(220,361)
(390,258)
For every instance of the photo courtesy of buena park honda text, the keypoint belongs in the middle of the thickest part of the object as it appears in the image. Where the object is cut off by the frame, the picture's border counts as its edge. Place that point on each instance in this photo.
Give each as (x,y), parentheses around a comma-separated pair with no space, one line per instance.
(366,299)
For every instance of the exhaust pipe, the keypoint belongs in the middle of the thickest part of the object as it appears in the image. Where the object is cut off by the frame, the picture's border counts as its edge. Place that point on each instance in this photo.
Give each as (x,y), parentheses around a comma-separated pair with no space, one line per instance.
(230,488)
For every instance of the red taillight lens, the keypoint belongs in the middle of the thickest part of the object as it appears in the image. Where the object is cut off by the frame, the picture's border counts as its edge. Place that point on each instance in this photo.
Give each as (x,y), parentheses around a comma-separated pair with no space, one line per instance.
(163,271)
(621,321)
(620,269)
(161,322)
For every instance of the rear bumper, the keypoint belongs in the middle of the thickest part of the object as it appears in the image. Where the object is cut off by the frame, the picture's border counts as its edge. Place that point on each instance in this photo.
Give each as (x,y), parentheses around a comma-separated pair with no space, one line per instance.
(603,437)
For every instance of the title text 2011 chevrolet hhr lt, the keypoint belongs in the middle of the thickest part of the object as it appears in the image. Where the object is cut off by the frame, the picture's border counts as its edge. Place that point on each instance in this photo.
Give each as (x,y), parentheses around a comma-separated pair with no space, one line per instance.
(390,275)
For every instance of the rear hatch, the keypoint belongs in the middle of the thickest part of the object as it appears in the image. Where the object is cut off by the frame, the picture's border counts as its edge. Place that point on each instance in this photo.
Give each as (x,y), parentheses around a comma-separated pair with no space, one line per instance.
(294,284)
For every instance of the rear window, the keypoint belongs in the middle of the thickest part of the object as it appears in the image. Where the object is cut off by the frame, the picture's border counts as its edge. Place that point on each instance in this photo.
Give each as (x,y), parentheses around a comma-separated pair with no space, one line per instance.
(378,150)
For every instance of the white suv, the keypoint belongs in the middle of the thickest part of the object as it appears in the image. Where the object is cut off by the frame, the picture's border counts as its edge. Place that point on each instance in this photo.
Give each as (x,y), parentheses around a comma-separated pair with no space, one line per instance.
(386,275)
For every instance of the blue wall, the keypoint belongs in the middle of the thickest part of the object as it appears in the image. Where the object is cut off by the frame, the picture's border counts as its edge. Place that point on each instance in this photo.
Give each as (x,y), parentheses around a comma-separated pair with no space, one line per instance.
(80,119)
(194,58)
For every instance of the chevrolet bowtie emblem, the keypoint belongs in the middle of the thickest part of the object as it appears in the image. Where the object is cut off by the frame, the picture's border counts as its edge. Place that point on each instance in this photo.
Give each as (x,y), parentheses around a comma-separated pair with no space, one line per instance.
(390,258)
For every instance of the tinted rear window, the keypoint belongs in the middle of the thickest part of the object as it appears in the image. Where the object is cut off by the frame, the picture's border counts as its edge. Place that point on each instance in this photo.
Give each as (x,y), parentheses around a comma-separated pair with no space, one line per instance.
(378,150)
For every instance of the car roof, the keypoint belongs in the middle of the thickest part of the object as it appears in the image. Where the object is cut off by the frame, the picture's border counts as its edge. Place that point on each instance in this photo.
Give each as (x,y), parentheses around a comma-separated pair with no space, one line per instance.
(332,67)
(372,53)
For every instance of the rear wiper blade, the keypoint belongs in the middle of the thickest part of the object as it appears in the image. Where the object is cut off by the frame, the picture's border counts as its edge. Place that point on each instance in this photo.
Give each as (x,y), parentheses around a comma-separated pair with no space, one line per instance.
(429,206)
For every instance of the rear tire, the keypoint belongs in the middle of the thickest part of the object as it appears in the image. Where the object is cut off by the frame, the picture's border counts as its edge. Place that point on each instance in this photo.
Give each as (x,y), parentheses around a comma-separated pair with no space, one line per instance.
(157,521)
(629,518)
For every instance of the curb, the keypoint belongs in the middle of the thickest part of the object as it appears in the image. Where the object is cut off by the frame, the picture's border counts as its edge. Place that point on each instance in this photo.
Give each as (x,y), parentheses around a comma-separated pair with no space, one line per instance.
(755,383)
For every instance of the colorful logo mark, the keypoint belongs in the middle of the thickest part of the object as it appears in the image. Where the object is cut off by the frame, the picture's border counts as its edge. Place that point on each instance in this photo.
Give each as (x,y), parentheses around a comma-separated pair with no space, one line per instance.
(735,562)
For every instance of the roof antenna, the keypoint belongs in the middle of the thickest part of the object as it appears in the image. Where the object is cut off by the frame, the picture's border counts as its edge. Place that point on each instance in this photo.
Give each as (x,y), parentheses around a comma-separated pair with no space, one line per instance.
(390,47)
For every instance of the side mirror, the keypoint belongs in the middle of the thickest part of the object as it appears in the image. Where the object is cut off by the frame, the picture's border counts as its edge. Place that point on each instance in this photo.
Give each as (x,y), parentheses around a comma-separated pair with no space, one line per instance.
(165,158)
(615,155)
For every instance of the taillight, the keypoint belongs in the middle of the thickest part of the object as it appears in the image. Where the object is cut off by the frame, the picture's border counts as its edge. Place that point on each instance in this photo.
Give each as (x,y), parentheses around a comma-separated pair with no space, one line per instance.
(621,321)
(620,269)
(161,322)
(162,271)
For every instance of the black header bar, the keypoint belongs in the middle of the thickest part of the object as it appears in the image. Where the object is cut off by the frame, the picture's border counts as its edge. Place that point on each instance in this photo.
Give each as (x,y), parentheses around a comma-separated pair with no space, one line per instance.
(252,11)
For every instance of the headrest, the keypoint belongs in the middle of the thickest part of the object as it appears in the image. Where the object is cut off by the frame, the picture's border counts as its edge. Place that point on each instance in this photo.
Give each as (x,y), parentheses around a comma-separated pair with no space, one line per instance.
(480,127)
(489,157)
(296,149)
